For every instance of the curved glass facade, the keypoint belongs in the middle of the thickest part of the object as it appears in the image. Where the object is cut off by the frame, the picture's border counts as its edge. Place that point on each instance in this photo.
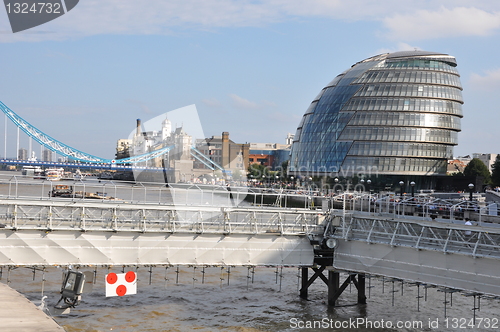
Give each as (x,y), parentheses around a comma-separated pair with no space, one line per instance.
(396,113)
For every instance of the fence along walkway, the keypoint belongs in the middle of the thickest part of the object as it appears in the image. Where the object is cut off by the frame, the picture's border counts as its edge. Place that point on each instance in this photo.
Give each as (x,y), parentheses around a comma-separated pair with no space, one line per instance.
(456,256)
(106,233)
(109,216)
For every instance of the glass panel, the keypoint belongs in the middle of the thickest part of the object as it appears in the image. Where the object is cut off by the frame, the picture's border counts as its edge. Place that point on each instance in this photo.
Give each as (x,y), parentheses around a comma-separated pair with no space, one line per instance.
(404,119)
(403,76)
(414,90)
(404,104)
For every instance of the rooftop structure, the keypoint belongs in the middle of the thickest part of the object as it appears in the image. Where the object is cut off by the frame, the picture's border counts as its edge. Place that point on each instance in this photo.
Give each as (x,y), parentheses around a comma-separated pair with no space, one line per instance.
(272,155)
(225,152)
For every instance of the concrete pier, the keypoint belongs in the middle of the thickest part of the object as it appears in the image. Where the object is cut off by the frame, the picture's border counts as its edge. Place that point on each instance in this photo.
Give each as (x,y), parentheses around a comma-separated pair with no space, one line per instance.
(18,314)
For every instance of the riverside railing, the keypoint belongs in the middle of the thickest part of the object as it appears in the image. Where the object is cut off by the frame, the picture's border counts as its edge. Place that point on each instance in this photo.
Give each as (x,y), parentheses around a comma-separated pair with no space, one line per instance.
(96,216)
(23,187)
(121,192)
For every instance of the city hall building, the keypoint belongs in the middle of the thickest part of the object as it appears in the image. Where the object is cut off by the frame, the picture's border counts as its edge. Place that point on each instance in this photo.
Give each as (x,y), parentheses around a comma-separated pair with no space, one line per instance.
(393,115)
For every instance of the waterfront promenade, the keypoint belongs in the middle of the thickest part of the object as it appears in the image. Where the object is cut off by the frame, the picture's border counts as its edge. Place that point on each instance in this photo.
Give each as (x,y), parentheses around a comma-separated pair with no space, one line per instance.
(18,314)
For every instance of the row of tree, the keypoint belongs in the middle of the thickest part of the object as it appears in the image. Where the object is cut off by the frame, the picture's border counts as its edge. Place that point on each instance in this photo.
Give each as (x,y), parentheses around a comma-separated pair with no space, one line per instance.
(477,168)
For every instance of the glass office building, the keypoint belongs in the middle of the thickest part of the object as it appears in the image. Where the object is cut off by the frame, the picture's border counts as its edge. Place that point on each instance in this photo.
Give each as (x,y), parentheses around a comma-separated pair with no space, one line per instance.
(391,114)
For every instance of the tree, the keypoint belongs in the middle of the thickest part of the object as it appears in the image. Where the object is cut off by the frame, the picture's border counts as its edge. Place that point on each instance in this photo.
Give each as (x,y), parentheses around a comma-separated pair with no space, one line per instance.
(283,170)
(477,168)
(495,174)
(237,175)
(257,171)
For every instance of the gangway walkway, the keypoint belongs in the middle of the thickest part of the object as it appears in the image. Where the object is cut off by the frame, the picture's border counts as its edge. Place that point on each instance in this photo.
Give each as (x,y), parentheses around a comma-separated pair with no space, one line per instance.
(455,256)
(107,233)
(63,233)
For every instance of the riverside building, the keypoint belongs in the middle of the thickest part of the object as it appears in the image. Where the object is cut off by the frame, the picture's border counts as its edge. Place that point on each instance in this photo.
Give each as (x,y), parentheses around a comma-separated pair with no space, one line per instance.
(395,116)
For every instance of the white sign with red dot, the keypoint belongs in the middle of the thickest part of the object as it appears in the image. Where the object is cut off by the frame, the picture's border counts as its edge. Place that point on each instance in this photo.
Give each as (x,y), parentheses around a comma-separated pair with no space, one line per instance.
(119,284)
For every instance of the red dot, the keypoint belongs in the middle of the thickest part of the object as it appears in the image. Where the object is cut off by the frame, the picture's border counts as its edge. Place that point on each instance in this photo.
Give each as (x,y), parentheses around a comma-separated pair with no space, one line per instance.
(130,276)
(111,278)
(121,290)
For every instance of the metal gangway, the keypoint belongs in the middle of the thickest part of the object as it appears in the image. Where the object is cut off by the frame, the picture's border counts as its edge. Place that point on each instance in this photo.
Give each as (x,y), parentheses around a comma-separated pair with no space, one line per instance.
(63,233)
(455,256)
(193,225)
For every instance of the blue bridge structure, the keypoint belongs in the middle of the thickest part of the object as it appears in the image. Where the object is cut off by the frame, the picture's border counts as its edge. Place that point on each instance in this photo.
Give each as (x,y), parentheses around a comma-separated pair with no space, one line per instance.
(85,160)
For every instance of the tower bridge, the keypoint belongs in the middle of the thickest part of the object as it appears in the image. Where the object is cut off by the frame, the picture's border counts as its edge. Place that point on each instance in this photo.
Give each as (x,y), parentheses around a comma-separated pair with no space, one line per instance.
(137,162)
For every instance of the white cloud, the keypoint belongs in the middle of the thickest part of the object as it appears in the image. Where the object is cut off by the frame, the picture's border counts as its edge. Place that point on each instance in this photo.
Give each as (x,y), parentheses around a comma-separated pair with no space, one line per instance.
(444,22)
(94,17)
(212,102)
(141,105)
(330,8)
(91,17)
(401,18)
(489,81)
(242,103)
(399,47)
(245,104)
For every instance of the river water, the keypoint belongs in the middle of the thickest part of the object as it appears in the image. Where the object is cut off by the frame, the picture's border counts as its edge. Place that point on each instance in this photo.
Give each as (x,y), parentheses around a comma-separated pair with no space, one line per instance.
(183,301)
(246,300)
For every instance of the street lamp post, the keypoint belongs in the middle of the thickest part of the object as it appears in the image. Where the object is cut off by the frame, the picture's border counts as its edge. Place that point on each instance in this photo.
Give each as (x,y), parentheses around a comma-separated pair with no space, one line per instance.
(412,184)
(368,183)
(471,189)
(362,181)
(401,184)
(336,188)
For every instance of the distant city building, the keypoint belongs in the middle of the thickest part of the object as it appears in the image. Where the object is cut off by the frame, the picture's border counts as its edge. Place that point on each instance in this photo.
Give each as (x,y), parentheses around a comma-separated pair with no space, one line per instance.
(178,160)
(272,155)
(47,155)
(180,163)
(487,158)
(396,115)
(457,165)
(22,154)
(123,148)
(146,141)
(224,152)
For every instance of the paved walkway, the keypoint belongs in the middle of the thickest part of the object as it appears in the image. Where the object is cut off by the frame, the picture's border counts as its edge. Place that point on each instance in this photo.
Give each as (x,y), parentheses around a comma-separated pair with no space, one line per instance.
(18,314)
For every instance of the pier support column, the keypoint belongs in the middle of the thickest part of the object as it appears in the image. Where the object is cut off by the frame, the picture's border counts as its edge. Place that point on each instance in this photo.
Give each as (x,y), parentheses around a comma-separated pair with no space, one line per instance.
(333,286)
(361,289)
(305,279)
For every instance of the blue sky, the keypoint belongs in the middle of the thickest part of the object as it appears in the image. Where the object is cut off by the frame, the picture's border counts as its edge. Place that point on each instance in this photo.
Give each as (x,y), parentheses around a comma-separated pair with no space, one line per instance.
(250,67)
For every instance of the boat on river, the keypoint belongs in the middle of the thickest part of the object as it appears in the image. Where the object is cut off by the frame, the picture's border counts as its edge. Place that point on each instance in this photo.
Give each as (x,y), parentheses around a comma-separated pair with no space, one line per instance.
(54,174)
(32,171)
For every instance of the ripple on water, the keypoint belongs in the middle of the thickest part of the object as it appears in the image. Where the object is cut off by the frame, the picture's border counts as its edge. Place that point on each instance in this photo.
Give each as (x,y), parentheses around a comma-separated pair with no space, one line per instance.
(241,306)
